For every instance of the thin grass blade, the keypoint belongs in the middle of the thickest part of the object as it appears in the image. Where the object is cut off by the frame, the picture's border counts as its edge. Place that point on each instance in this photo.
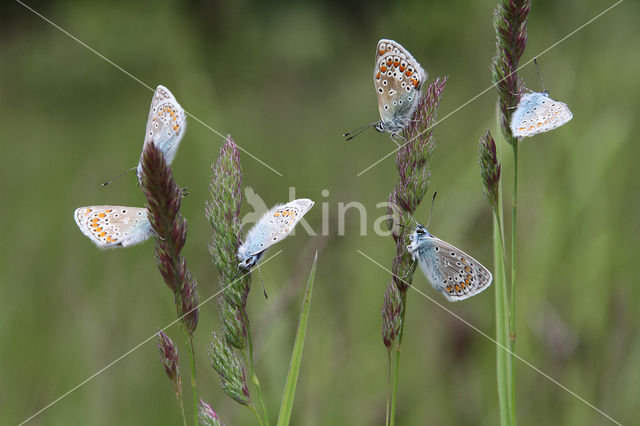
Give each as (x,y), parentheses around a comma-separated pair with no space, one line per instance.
(296,357)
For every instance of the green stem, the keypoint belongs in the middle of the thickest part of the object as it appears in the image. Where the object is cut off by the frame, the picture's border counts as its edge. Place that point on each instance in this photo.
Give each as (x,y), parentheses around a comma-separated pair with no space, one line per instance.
(254,411)
(184,418)
(394,388)
(248,360)
(512,311)
(503,357)
(504,371)
(386,417)
(194,387)
(192,362)
(514,214)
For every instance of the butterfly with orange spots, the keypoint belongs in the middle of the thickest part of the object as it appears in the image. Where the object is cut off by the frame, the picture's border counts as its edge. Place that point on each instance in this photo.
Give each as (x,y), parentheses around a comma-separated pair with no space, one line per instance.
(273,226)
(451,271)
(398,79)
(113,226)
(536,113)
(166,125)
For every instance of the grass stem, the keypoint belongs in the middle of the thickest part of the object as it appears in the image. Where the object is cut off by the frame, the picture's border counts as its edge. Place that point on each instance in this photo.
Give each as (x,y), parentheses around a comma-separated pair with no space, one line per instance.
(194,387)
(514,215)
(261,409)
(394,385)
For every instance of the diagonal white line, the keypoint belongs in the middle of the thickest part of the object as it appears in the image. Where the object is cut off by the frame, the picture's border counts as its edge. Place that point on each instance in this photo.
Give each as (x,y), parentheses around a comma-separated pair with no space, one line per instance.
(135,348)
(494,341)
(239,147)
(100,55)
(492,86)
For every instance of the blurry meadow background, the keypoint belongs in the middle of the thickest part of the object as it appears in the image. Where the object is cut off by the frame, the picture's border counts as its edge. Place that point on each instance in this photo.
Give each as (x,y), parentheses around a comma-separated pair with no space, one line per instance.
(286,79)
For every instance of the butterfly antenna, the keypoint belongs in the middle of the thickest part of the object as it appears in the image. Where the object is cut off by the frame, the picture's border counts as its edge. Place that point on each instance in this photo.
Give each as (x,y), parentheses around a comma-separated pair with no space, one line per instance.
(264,290)
(535,61)
(115,178)
(352,134)
(433,200)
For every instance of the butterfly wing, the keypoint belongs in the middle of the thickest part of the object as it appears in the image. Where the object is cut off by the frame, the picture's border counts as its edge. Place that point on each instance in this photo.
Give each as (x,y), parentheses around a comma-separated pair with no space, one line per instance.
(165,125)
(451,271)
(537,113)
(275,225)
(398,78)
(113,226)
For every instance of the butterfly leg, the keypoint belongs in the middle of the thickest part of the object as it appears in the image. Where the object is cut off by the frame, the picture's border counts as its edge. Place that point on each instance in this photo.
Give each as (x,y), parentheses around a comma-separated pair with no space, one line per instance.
(396,138)
(403,278)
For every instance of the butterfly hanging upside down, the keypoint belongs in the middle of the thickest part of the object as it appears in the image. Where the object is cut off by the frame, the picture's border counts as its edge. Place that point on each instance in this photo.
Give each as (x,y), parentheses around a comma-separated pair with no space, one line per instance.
(536,113)
(451,271)
(273,226)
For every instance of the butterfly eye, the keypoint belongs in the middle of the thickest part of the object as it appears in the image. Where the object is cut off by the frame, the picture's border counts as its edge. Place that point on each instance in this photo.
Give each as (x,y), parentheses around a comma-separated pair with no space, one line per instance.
(420,231)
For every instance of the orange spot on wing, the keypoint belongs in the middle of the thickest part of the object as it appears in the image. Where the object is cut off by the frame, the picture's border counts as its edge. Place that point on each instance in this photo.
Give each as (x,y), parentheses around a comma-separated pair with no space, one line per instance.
(95,219)
(102,234)
(396,63)
(102,215)
(389,61)
(408,73)
(402,68)
(457,287)
(383,68)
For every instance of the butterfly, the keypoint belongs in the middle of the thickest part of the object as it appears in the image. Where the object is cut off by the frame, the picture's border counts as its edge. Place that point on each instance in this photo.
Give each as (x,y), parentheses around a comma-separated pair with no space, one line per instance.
(536,113)
(166,125)
(113,226)
(272,227)
(398,80)
(451,271)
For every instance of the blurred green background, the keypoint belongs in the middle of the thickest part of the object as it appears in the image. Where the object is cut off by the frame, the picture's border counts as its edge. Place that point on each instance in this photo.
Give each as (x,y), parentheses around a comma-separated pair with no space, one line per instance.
(286,79)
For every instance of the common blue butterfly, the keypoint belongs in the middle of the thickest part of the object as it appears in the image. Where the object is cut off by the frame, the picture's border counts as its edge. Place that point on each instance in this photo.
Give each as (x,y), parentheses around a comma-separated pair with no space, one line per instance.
(398,79)
(113,226)
(451,271)
(536,113)
(272,227)
(166,125)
